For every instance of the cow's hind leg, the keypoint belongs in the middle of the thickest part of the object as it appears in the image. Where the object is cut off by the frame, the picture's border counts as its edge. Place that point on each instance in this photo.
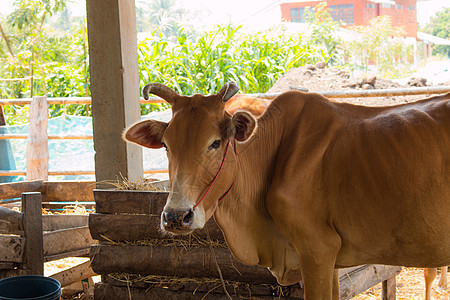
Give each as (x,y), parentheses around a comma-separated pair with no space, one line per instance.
(336,287)
(430,275)
(442,285)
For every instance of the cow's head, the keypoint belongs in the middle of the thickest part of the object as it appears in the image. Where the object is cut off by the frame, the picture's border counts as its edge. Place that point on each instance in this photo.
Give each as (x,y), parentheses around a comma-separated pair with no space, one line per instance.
(199,141)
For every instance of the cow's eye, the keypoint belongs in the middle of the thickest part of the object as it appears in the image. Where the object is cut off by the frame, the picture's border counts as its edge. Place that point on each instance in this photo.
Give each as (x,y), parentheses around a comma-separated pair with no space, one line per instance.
(165,146)
(214,145)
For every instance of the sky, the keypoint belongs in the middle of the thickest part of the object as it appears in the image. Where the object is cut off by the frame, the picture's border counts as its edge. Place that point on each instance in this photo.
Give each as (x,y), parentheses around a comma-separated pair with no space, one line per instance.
(257,12)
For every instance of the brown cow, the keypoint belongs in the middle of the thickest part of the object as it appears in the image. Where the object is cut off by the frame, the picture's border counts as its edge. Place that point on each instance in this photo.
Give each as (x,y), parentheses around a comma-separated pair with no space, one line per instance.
(312,185)
(256,106)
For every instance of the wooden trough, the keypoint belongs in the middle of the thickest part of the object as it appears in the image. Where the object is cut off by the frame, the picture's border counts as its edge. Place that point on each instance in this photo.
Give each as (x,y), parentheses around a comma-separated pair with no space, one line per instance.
(136,261)
(29,238)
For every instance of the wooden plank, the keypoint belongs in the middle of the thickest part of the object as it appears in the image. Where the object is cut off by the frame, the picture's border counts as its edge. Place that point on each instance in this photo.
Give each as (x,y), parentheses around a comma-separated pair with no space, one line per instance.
(37,142)
(138,227)
(57,222)
(105,291)
(11,248)
(202,285)
(175,261)
(388,289)
(11,205)
(12,273)
(15,189)
(131,202)
(114,87)
(75,172)
(362,278)
(68,190)
(80,252)
(71,100)
(50,137)
(33,256)
(10,221)
(65,240)
(65,205)
(7,265)
(74,274)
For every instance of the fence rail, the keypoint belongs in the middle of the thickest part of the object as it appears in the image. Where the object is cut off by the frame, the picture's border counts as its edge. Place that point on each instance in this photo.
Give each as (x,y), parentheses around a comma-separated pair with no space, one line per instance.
(155,100)
(69,100)
(50,137)
(332,94)
(76,172)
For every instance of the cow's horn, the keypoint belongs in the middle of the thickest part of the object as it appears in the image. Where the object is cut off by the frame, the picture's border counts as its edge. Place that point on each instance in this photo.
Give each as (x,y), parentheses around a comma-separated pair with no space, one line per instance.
(228,90)
(160,90)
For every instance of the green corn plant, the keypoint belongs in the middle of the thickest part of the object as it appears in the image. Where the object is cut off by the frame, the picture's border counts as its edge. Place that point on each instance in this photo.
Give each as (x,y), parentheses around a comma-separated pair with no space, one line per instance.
(254,61)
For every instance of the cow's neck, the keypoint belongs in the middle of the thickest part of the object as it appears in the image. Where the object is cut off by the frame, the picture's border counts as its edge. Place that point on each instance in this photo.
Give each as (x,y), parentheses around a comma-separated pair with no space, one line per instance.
(242,215)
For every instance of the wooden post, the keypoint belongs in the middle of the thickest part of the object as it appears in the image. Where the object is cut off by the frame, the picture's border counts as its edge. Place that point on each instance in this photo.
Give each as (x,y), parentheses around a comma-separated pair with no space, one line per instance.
(33,256)
(114,87)
(37,142)
(2,117)
(388,289)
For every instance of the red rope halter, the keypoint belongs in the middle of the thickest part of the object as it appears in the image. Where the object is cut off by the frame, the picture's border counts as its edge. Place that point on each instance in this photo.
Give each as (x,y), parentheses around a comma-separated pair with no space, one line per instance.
(217,175)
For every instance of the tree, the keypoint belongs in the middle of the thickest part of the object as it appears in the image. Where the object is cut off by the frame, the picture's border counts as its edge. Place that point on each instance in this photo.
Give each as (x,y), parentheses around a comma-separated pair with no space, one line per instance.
(439,26)
(163,16)
(324,30)
(24,39)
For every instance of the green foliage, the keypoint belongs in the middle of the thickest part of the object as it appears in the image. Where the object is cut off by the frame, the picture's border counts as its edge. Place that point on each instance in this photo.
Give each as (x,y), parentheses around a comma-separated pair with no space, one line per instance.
(439,26)
(174,56)
(31,13)
(324,31)
(255,62)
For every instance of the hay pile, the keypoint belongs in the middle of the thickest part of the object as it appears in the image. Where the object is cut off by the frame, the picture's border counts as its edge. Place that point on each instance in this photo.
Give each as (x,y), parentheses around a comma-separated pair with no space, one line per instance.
(124,184)
(189,242)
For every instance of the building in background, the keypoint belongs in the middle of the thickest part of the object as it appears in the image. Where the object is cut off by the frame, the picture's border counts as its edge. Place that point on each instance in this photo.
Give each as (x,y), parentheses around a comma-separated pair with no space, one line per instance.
(358,12)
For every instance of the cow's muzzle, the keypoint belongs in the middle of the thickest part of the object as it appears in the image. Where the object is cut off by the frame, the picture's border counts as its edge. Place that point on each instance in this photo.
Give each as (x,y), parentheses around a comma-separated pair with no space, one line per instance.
(177,222)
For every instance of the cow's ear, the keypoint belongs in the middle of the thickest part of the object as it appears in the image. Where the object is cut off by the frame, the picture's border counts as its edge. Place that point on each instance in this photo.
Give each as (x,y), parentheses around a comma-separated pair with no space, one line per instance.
(146,133)
(244,125)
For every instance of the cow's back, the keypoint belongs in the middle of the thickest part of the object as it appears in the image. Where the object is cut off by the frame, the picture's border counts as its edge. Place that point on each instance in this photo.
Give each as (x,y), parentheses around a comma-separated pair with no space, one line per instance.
(380,174)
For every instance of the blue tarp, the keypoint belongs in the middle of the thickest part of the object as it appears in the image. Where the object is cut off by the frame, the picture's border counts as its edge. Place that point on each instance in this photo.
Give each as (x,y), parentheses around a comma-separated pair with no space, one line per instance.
(70,155)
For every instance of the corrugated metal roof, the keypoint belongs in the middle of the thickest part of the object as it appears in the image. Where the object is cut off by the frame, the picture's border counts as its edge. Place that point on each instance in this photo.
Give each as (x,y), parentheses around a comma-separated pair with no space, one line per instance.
(432,39)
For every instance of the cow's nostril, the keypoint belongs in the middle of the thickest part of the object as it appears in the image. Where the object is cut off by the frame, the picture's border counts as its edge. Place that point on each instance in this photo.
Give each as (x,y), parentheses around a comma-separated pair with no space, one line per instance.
(188,217)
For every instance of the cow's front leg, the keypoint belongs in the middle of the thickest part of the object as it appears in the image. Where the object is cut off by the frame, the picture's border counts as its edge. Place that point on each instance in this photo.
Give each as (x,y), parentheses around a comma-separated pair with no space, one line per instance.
(317,263)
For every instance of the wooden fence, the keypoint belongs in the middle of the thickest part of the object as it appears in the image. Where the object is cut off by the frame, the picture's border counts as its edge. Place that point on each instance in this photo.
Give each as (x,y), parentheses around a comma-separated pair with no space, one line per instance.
(37,138)
(137,261)
(55,194)
(28,239)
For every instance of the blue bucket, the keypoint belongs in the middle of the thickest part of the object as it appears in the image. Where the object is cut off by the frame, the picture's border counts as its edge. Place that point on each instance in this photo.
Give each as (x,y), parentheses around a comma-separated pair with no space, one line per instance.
(32,287)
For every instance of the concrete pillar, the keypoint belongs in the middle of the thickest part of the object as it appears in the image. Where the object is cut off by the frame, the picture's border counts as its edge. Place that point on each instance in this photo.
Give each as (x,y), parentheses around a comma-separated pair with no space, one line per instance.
(114,86)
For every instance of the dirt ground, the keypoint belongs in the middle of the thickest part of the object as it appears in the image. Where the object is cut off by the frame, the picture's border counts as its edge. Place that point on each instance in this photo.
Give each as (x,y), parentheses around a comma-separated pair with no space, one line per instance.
(316,78)
(410,286)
